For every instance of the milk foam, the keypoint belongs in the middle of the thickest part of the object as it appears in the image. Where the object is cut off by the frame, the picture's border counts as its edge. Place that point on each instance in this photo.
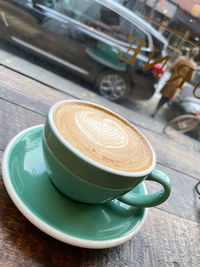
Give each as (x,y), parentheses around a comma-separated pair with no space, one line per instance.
(102,131)
(103,136)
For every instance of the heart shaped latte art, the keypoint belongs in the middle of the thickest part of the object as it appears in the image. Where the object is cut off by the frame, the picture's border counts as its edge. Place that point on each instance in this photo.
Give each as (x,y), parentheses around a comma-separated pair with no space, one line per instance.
(100,130)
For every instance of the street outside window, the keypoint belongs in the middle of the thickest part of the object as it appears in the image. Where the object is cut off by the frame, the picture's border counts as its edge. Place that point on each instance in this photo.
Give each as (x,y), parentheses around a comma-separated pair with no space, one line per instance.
(140,58)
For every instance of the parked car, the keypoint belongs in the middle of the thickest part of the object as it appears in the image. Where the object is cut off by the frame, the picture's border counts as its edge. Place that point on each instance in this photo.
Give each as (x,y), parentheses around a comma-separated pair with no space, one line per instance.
(87,36)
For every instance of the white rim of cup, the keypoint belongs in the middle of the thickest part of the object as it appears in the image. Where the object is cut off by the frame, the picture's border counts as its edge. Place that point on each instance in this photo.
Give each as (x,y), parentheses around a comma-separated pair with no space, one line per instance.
(87,159)
(48,229)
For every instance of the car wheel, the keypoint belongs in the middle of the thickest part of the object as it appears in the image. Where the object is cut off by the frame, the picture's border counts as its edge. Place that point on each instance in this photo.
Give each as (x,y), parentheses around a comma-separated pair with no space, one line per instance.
(113,85)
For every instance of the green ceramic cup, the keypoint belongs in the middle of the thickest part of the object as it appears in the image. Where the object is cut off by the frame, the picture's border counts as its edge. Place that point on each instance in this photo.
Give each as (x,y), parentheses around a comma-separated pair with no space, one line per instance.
(82,179)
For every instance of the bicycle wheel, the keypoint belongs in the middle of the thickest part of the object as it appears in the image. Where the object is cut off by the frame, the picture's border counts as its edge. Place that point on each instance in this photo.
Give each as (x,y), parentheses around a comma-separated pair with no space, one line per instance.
(181,124)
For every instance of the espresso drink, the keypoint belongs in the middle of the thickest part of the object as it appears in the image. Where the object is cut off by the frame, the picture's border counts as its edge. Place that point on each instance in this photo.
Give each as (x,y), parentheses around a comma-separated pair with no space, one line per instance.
(103,136)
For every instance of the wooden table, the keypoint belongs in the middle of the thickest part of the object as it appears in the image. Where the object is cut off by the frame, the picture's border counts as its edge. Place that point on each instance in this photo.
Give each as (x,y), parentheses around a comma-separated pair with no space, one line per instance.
(171,234)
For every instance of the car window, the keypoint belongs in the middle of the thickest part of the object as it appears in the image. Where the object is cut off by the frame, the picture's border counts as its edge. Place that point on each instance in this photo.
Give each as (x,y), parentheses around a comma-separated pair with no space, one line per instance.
(139,33)
(77,7)
(100,18)
(72,8)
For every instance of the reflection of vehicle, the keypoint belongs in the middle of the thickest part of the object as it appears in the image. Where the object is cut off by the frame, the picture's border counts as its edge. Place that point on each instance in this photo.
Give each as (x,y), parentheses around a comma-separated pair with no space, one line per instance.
(189,120)
(87,37)
(186,101)
(183,123)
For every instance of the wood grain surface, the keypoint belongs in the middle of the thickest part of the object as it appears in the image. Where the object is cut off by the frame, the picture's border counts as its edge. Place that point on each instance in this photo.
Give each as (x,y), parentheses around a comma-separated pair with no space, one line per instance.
(15,119)
(183,200)
(171,234)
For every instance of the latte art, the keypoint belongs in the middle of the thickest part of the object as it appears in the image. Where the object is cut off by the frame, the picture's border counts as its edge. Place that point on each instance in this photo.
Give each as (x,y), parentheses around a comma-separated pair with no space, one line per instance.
(102,131)
(103,136)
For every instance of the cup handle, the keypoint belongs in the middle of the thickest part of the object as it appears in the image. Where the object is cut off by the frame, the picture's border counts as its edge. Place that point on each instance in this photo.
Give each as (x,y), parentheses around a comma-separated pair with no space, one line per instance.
(150,200)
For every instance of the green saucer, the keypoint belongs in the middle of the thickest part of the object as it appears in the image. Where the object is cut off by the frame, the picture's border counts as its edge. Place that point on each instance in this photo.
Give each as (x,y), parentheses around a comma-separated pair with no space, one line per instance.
(83,225)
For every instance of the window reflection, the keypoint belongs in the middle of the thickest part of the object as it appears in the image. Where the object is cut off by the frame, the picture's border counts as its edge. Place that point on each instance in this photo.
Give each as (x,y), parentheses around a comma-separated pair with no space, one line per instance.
(87,37)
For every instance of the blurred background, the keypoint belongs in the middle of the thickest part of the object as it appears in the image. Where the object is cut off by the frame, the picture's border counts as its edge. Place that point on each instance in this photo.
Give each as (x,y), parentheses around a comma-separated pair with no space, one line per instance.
(97,50)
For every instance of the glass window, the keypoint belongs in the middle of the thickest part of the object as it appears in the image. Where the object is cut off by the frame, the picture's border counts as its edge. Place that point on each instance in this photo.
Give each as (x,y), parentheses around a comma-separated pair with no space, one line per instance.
(83,47)
(99,17)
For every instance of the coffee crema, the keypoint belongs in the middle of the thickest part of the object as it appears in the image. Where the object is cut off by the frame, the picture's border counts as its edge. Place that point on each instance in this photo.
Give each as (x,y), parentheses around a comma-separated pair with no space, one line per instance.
(103,136)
